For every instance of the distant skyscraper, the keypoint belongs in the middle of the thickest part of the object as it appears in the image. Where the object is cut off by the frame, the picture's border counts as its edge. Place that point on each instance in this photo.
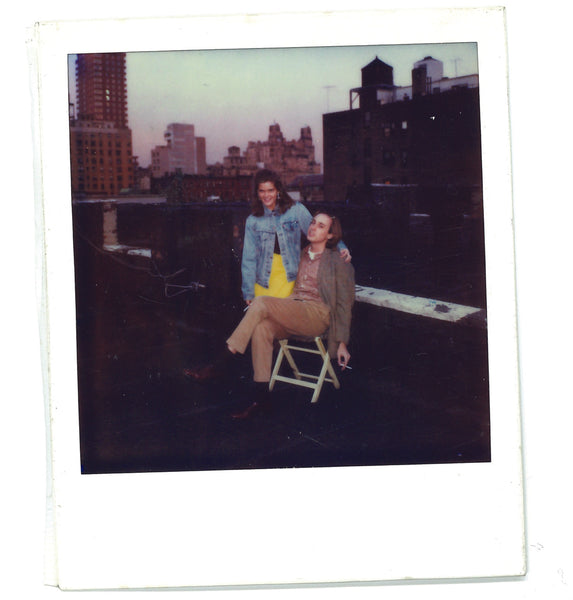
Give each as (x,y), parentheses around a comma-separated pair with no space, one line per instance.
(102,161)
(102,88)
(183,152)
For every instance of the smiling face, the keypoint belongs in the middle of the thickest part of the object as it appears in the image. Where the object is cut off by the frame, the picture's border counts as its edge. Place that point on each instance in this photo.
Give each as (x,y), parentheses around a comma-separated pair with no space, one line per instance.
(267,193)
(319,230)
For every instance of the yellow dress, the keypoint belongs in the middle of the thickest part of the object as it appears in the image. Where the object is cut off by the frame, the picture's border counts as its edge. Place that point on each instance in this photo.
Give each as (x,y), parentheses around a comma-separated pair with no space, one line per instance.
(279,286)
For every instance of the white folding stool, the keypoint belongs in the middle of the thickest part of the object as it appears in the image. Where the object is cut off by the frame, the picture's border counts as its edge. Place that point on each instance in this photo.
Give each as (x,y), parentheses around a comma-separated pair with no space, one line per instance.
(304,379)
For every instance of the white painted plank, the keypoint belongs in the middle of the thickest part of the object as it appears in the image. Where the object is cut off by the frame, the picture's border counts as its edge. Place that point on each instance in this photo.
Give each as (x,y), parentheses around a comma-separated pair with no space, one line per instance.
(130,250)
(426,307)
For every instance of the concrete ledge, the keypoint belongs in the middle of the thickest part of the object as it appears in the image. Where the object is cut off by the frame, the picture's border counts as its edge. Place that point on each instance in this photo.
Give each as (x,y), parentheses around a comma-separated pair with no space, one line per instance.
(129,250)
(424,307)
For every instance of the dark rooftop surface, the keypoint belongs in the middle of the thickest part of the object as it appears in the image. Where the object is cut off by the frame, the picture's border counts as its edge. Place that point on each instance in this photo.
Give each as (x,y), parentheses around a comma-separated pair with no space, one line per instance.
(417,392)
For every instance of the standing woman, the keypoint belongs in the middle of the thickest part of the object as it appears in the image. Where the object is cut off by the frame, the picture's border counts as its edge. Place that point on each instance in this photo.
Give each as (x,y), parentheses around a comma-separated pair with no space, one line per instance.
(273,231)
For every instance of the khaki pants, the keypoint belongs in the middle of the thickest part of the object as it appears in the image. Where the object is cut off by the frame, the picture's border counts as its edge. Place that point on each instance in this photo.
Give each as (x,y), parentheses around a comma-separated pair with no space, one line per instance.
(269,319)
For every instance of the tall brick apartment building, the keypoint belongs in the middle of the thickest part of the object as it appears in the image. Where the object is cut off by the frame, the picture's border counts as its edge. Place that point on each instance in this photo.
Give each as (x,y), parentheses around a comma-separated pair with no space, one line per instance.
(102,160)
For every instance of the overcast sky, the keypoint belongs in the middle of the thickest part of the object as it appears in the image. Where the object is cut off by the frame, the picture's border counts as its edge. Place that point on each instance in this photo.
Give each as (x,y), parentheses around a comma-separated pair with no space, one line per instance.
(232,96)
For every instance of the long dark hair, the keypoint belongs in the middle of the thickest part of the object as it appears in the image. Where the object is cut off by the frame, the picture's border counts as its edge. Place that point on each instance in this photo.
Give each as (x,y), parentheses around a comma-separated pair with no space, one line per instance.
(284,201)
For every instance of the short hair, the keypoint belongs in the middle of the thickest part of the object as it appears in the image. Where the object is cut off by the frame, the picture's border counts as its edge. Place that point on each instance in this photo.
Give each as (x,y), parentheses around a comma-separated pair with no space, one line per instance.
(284,201)
(335,229)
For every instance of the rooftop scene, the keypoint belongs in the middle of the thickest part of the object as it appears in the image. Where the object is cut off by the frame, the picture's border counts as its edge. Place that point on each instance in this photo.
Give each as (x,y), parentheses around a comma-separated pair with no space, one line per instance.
(157,293)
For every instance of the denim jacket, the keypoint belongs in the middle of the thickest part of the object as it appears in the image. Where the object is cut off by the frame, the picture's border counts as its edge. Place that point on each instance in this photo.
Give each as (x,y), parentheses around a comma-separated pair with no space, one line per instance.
(259,244)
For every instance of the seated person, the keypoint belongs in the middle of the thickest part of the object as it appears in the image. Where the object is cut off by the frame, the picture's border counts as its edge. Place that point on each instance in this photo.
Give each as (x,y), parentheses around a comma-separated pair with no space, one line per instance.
(321,301)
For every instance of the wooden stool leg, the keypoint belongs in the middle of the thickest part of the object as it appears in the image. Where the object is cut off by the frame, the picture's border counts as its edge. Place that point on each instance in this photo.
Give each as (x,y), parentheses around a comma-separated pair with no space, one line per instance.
(290,359)
(329,366)
(277,366)
(305,379)
(320,380)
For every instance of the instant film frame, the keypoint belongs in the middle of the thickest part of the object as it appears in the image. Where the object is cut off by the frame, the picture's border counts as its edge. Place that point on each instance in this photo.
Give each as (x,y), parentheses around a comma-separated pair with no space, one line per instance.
(179,529)
(158,270)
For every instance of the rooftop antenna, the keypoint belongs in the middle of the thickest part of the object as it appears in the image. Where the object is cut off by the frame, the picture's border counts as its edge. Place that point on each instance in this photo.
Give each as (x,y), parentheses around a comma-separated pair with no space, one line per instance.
(456,61)
(328,88)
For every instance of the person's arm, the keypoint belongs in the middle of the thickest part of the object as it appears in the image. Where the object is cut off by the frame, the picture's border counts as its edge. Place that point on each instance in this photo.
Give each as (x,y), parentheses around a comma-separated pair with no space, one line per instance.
(249,262)
(304,217)
(345,293)
(342,355)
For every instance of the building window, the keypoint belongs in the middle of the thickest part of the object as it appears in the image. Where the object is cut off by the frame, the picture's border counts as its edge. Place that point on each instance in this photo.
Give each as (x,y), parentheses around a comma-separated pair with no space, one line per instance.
(388,158)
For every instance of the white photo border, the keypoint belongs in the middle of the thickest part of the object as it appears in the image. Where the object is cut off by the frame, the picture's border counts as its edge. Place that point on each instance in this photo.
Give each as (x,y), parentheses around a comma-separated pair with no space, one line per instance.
(299,526)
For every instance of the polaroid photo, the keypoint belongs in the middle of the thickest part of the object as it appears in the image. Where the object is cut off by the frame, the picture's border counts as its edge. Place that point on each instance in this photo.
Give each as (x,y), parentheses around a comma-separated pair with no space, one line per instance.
(403,465)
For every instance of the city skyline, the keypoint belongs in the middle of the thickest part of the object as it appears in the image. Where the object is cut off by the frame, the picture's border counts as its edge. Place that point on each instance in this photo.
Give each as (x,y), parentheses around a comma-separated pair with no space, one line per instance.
(233,96)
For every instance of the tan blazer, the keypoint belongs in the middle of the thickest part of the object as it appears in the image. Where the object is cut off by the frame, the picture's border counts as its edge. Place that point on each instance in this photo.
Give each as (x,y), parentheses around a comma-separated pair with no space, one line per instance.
(337,289)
